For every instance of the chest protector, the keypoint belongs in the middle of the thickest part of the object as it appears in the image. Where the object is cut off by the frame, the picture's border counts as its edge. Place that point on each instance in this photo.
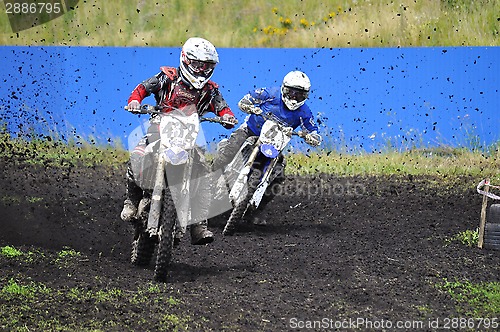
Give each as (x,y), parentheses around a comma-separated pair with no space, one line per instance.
(176,94)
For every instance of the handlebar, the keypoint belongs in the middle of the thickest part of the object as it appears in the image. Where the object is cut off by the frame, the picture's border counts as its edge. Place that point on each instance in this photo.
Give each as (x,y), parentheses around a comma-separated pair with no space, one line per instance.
(216,119)
(299,133)
(145,109)
(272,117)
(150,109)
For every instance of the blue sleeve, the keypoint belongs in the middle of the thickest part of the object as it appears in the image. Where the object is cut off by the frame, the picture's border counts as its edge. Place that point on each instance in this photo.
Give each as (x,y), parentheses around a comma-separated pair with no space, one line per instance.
(260,96)
(307,119)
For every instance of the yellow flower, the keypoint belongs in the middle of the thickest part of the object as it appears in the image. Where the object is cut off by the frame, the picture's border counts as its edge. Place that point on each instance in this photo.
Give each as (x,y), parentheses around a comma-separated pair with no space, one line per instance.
(304,23)
(287,23)
(331,14)
(275,10)
(282,31)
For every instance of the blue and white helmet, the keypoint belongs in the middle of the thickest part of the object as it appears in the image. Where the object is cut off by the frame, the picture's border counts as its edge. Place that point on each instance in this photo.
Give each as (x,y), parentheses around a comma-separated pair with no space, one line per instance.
(295,89)
(197,61)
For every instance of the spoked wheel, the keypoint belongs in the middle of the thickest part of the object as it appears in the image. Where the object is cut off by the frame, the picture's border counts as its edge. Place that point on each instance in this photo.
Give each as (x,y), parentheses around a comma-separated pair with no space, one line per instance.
(143,247)
(168,218)
(240,208)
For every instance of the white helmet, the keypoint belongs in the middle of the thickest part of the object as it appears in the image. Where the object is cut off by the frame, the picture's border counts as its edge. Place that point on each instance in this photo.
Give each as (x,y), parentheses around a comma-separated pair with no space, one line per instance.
(197,61)
(295,89)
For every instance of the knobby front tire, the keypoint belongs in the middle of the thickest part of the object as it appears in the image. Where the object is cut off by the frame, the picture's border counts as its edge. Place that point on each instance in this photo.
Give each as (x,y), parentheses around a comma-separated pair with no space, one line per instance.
(240,208)
(168,218)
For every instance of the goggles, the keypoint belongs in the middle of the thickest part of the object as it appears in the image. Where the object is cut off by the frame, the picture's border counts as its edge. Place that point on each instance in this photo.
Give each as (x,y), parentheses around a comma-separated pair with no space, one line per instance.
(295,94)
(200,66)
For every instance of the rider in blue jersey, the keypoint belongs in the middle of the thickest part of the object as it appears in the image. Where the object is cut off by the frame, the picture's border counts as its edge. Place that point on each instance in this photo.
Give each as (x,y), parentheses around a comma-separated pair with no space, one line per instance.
(287,104)
(269,100)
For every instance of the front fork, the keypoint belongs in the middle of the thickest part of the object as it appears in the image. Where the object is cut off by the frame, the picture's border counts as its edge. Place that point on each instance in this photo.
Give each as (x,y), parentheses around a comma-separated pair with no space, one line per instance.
(180,196)
(242,178)
(264,183)
(183,201)
(156,198)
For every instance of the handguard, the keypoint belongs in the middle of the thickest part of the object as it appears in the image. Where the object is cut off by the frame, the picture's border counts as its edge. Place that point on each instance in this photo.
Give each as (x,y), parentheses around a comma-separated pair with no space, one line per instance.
(313,139)
(248,107)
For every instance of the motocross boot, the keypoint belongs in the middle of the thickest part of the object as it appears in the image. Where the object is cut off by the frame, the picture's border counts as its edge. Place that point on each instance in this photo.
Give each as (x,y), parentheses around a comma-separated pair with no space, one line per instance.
(200,234)
(129,211)
(133,196)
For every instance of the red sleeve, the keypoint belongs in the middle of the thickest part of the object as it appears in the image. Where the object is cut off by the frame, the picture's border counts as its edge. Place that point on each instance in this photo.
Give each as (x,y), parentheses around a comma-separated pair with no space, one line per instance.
(139,93)
(218,105)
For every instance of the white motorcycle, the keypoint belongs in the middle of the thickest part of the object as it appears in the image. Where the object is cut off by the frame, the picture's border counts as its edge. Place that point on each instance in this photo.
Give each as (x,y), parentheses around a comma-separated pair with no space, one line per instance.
(253,168)
(165,210)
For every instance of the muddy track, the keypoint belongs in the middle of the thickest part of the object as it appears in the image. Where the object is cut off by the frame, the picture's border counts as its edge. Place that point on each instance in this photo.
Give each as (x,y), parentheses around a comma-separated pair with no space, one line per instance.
(337,248)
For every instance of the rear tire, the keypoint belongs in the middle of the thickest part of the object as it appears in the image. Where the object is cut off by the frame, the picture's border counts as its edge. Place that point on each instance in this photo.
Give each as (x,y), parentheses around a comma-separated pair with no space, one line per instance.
(168,219)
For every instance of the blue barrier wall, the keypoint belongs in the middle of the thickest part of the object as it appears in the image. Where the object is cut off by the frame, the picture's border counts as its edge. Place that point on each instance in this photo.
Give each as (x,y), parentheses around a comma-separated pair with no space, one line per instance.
(365,98)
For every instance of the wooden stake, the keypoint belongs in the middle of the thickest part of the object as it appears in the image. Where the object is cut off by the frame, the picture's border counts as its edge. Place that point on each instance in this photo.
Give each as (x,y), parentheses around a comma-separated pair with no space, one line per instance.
(482,222)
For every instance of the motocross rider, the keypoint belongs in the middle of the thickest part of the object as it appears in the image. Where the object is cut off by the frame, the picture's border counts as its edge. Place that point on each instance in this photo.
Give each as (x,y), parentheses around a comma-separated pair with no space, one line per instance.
(189,84)
(288,103)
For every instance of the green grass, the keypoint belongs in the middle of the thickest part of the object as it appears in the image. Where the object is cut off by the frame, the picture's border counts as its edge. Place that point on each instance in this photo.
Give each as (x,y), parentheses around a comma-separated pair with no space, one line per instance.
(13,253)
(39,297)
(10,252)
(67,253)
(15,289)
(442,162)
(51,152)
(67,257)
(268,23)
(468,238)
(25,304)
(456,162)
(474,299)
